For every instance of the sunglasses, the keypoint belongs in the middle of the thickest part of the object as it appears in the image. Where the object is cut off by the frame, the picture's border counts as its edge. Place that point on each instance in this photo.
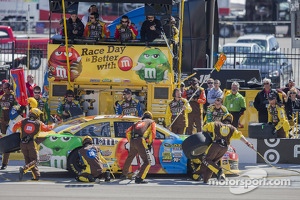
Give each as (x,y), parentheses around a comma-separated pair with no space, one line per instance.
(210,83)
(293,93)
(92,17)
(70,96)
(124,21)
(266,83)
(218,99)
(150,17)
(36,92)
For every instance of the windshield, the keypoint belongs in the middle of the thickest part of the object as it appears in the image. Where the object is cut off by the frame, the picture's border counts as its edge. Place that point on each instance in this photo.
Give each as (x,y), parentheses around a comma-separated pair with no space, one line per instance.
(262,60)
(68,124)
(239,50)
(261,43)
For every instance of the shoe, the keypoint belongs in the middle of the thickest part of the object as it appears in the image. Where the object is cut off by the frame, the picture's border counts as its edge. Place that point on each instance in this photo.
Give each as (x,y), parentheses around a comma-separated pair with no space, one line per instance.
(139,180)
(123,177)
(219,174)
(91,178)
(35,179)
(4,166)
(107,176)
(21,173)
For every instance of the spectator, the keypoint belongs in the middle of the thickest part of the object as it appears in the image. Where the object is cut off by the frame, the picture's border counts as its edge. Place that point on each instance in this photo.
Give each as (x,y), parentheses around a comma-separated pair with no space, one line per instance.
(125,31)
(175,31)
(177,106)
(235,103)
(129,106)
(210,85)
(216,111)
(261,101)
(7,101)
(42,105)
(151,29)
(196,97)
(277,117)
(96,29)
(75,27)
(69,108)
(28,144)
(291,105)
(91,162)
(289,85)
(30,85)
(215,92)
(86,18)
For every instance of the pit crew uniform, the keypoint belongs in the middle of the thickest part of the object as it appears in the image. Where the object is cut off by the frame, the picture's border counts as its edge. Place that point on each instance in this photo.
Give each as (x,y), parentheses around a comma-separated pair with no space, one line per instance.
(90,159)
(97,30)
(197,102)
(44,107)
(140,135)
(221,137)
(29,131)
(7,101)
(173,109)
(69,107)
(277,116)
(131,107)
(215,114)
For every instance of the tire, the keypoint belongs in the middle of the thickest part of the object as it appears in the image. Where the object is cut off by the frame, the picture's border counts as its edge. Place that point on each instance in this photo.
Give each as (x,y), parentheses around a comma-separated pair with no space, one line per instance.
(196,144)
(35,59)
(10,143)
(73,166)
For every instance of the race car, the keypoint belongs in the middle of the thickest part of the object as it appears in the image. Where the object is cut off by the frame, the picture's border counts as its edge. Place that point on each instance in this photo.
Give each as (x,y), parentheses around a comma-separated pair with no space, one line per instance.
(59,147)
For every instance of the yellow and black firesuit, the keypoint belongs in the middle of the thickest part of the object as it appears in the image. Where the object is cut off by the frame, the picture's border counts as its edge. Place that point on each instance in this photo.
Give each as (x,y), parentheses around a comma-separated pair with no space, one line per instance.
(7,101)
(196,95)
(277,117)
(140,137)
(30,129)
(180,107)
(214,114)
(91,162)
(222,133)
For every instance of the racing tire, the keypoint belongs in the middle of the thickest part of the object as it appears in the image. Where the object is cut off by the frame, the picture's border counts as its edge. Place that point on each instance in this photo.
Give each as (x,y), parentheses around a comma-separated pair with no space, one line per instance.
(196,144)
(73,165)
(35,59)
(10,143)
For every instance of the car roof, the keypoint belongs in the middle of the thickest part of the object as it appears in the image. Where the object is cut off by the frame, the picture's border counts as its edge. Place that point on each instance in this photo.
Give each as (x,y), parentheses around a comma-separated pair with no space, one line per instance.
(242,44)
(255,36)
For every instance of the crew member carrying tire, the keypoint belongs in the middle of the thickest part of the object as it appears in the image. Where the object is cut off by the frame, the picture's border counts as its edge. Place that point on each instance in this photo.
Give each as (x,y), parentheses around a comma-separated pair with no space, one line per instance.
(222,133)
(140,136)
(30,129)
(91,162)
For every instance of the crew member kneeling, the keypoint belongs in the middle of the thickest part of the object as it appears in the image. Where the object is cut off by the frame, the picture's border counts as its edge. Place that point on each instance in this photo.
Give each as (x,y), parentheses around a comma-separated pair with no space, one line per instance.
(140,136)
(222,133)
(91,162)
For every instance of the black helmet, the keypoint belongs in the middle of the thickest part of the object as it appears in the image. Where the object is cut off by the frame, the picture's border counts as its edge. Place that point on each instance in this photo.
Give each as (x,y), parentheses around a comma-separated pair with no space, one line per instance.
(227,119)
(147,115)
(87,140)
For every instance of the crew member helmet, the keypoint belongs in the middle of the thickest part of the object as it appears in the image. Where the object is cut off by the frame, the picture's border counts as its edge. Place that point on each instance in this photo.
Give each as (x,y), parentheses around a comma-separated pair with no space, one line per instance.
(35,113)
(147,115)
(87,140)
(227,119)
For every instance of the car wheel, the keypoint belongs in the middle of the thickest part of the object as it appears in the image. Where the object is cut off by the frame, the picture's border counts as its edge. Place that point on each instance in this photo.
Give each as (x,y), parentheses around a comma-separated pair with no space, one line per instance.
(196,144)
(73,165)
(10,143)
(35,59)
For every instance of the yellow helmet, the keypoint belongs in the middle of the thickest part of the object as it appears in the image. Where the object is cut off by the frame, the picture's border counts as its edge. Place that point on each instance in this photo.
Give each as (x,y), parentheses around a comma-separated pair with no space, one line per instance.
(32,102)
(87,140)
(147,115)
(227,118)
(35,113)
